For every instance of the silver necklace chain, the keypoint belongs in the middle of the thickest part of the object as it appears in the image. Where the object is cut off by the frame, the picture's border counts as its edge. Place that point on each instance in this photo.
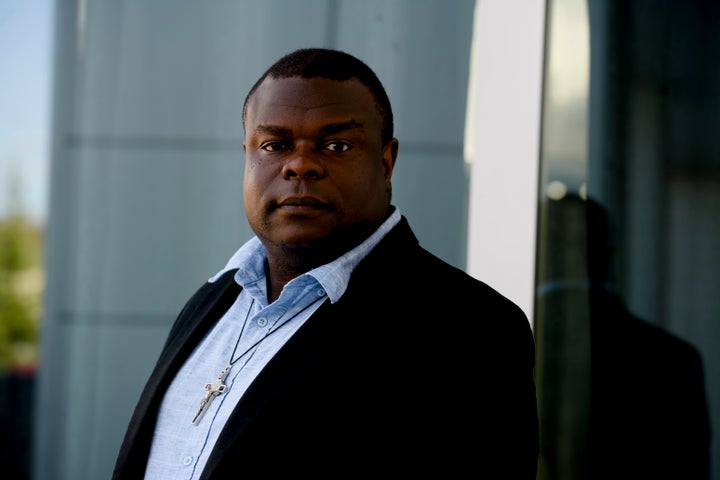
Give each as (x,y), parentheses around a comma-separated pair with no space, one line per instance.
(218,386)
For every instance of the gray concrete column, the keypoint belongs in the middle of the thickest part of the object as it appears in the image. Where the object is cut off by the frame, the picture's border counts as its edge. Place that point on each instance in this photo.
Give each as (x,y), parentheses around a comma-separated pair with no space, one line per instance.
(147,168)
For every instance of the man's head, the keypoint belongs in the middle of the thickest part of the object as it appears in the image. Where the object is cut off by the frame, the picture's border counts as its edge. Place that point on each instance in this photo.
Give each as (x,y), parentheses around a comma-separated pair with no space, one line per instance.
(318,162)
(333,65)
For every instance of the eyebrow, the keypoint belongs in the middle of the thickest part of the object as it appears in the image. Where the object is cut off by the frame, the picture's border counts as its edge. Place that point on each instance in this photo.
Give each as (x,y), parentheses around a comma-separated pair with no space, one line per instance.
(341,127)
(274,130)
(328,129)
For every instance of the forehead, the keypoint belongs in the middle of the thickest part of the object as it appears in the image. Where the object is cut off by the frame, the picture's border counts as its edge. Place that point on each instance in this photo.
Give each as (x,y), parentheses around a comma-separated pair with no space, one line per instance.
(303,101)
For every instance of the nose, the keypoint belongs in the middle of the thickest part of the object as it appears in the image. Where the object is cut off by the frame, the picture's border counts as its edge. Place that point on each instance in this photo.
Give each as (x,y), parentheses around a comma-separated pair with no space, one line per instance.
(303,164)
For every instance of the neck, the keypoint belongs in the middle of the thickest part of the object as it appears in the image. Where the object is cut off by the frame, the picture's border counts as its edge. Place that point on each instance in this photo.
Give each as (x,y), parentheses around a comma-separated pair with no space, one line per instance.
(285,263)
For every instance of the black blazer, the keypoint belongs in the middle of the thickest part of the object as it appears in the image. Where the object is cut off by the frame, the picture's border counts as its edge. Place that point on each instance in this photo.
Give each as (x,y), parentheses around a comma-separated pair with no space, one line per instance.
(418,369)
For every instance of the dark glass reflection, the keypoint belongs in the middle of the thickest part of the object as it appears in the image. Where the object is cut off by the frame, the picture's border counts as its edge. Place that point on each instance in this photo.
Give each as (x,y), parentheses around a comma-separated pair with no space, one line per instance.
(628,270)
(639,391)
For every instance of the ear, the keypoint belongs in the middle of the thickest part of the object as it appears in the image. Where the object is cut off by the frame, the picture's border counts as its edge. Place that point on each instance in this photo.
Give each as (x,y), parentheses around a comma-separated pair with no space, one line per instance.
(390,153)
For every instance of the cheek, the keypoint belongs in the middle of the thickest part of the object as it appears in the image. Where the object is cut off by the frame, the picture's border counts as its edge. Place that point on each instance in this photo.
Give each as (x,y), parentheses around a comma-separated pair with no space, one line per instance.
(369,189)
(253,182)
(374,179)
(251,193)
(258,187)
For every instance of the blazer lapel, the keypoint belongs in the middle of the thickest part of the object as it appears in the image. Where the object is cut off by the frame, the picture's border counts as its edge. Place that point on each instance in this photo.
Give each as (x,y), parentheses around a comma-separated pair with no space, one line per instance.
(305,349)
(200,313)
(310,345)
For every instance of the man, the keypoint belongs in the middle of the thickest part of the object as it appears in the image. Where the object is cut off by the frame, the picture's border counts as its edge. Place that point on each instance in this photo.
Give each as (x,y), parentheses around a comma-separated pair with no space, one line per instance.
(332,344)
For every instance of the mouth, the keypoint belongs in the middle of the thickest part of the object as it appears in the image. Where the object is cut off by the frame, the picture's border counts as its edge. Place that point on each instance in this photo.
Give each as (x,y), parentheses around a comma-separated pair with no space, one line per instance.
(302,203)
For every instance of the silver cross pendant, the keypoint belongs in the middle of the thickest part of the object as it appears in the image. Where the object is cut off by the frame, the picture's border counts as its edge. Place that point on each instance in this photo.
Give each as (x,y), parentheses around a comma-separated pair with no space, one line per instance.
(213,390)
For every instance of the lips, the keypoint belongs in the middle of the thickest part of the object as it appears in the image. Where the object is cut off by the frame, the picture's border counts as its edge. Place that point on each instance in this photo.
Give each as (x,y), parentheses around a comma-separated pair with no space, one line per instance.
(301,202)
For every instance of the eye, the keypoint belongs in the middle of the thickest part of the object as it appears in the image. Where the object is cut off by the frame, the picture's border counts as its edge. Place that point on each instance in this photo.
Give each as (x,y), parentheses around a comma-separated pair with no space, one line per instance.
(337,147)
(275,146)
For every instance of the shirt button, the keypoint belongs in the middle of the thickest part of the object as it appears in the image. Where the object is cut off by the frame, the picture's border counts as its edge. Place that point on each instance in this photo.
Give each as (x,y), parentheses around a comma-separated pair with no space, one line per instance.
(321,292)
(187,460)
(262,321)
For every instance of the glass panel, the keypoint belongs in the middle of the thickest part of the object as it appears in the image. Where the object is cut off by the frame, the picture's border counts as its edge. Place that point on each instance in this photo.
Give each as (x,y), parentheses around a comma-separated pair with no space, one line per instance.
(562,322)
(629,241)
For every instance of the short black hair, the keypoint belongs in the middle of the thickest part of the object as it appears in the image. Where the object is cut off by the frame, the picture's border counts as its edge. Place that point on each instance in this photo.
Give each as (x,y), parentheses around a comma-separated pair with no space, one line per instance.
(334,65)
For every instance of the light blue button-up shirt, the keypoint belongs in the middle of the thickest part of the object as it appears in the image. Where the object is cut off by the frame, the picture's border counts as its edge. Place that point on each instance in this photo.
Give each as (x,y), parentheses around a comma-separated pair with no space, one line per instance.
(250,332)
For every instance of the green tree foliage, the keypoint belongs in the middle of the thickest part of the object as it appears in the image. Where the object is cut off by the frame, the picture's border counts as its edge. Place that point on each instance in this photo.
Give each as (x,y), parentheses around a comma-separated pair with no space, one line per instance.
(20,287)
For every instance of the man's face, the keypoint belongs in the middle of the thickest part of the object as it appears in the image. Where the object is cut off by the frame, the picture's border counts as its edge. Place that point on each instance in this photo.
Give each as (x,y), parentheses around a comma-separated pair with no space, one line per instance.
(315,168)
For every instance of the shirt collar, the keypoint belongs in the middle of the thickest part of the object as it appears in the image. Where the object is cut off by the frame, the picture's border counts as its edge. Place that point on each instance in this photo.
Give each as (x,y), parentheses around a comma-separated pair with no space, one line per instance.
(249,260)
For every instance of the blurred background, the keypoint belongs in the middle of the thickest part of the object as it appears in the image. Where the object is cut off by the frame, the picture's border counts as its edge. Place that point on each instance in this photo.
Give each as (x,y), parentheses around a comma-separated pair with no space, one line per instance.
(564,151)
